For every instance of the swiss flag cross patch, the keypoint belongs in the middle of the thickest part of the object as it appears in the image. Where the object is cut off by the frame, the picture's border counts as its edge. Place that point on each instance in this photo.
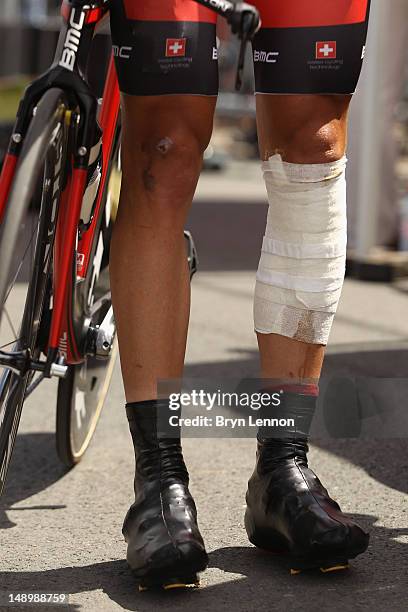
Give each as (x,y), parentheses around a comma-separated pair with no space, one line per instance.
(176,47)
(326,49)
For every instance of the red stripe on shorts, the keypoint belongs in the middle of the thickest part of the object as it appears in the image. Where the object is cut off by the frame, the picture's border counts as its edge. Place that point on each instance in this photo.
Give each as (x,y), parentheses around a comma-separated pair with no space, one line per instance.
(168,10)
(311,13)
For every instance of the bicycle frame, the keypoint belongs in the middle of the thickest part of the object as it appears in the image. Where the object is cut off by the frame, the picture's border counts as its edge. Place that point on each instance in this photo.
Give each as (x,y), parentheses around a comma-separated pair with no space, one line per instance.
(80,20)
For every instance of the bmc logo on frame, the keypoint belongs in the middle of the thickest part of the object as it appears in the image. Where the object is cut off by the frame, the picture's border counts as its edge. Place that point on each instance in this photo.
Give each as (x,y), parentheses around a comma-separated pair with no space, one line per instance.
(72,40)
(176,47)
(326,49)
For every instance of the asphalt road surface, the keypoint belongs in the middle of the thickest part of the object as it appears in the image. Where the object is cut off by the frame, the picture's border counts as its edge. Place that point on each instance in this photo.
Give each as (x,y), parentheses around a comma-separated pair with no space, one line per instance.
(61,531)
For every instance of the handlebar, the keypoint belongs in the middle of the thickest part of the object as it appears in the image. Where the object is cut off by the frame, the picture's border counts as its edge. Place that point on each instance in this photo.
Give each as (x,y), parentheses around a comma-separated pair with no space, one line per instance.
(244,20)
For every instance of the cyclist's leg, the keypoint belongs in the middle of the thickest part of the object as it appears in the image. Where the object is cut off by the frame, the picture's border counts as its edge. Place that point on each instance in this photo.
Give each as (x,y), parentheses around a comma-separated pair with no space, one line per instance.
(169,86)
(164,139)
(307,61)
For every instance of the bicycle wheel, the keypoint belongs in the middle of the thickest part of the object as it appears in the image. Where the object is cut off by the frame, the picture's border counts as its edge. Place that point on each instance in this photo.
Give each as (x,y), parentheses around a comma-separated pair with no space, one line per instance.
(81,394)
(26,242)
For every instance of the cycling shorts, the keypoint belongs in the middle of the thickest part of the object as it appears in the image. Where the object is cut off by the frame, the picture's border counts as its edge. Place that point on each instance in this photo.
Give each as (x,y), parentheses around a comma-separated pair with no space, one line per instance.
(304,46)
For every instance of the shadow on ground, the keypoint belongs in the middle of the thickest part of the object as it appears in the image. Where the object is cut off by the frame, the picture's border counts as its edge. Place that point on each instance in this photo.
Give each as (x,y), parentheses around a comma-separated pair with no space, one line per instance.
(34,467)
(249,576)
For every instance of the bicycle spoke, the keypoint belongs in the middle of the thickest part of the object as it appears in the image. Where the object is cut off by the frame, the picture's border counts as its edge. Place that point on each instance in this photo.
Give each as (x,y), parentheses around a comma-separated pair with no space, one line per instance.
(4,346)
(28,255)
(6,313)
(13,282)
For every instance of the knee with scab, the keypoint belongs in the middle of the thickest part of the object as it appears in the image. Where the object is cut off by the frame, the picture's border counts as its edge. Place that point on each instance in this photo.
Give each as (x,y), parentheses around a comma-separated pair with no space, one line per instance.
(171,163)
(165,145)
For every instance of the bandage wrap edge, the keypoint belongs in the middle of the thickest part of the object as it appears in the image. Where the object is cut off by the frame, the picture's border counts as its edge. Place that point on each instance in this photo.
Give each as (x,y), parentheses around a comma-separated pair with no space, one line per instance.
(302,265)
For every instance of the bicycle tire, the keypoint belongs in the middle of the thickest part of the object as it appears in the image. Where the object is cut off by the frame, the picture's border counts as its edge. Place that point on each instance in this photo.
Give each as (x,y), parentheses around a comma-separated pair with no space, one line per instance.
(44,147)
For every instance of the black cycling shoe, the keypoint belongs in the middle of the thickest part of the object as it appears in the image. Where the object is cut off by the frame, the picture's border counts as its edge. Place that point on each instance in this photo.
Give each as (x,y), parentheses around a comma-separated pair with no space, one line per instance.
(288,509)
(165,547)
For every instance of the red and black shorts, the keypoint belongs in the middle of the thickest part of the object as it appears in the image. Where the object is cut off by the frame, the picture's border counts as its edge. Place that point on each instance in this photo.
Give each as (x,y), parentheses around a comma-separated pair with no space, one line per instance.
(304,46)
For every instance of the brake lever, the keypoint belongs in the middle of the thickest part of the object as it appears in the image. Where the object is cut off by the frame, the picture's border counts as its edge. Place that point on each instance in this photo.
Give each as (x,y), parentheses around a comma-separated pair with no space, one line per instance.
(241,64)
(244,20)
(250,24)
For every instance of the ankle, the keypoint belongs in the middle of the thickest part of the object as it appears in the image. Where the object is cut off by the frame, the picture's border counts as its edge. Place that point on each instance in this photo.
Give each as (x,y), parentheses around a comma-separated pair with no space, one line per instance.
(274,453)
(289,420)
(156,458)
(146,424)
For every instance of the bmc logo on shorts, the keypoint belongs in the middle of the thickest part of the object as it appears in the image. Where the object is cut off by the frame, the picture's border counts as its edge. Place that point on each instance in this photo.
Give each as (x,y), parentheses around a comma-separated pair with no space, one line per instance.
(266,57)
(326,49)
(122,52)
(176,47)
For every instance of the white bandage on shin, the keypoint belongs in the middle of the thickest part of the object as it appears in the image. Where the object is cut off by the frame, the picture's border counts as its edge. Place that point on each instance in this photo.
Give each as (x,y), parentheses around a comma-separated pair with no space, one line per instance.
(302,265)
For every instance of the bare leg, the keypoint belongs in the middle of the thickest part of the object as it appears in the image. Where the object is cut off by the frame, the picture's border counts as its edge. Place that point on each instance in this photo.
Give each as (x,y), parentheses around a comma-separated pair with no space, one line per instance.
(163,142)
(303,130)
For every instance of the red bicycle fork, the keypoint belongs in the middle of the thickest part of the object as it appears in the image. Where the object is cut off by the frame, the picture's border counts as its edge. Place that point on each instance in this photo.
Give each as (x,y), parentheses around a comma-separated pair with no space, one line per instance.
(67,225)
